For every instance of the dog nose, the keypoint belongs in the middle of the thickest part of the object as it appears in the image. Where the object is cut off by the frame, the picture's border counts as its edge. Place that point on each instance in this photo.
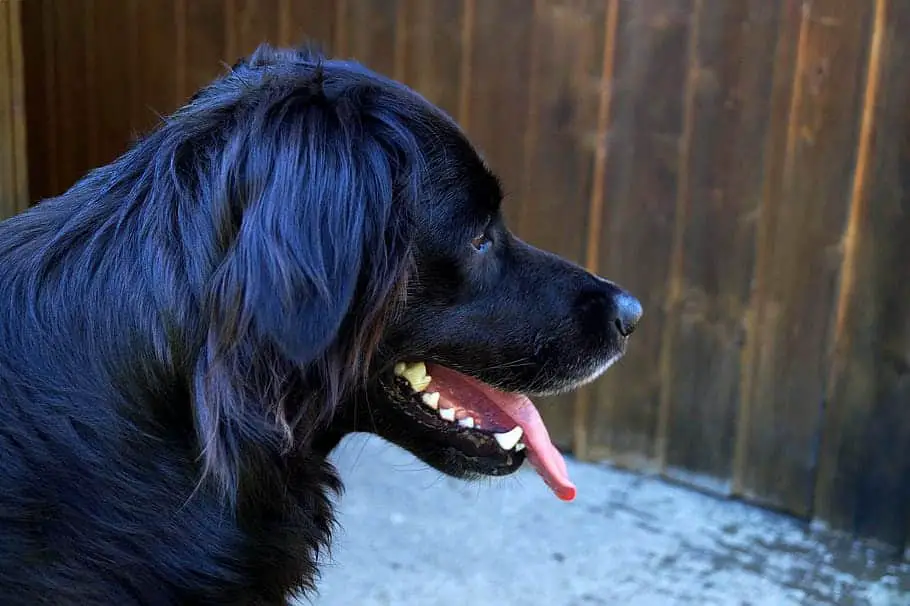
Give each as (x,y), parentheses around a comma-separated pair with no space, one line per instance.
(628,313)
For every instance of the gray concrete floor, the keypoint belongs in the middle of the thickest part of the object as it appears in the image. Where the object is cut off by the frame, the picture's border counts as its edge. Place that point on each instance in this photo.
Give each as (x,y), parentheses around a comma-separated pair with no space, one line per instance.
(411,537)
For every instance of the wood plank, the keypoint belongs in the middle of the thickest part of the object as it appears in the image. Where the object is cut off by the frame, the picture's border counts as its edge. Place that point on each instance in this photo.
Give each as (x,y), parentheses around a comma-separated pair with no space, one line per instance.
(158,86)
(35,42)
(864,465)
(434,50)
(718,203)
(9,201)
(205,52)
(495,86)
(639,209)
(308,21)
(255,22)
(799,254)
(108,98)
(71,108)
(785,57)
(560,142)
(19,114)
(595,227)
(370,34)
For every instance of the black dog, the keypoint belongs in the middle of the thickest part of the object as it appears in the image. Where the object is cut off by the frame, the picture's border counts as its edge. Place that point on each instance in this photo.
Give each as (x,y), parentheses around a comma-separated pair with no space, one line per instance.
(305,250)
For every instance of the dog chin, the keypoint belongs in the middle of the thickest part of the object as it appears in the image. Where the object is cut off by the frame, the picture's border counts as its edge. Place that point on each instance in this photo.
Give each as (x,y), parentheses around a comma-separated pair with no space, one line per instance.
(590,377)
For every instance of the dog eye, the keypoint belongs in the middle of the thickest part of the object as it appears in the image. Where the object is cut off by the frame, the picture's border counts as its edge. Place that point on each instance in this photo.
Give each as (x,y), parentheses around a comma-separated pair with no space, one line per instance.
(481,243)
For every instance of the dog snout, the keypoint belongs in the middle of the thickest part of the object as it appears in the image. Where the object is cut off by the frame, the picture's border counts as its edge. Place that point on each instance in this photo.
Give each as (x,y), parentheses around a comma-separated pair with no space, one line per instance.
(604,304)
(628,311)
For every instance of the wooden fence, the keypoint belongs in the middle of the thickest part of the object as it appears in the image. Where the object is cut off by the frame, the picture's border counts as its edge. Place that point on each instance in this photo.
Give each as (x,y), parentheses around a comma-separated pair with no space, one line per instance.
(741,165)
(13,166)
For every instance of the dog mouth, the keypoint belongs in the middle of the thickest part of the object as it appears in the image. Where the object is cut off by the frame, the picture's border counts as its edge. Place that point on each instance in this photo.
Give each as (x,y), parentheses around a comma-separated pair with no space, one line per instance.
(481,420)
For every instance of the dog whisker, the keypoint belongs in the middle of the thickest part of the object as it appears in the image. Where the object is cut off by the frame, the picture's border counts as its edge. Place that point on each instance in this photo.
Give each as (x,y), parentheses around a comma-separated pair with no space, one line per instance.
(506,365)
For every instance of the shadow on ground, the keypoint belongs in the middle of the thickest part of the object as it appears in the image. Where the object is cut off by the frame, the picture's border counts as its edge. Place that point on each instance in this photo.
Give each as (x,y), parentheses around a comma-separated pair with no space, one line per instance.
(410,537)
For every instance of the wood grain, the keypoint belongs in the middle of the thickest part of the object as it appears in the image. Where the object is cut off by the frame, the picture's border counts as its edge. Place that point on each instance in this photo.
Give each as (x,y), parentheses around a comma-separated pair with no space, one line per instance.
(799,259)
(580,435)
(370,29)
(433,56)
(109,91)
(254,22)
(159,90)
(308,21)
(40,131)
(639,217)
(71,104)
(495,108)
(718,204)
(13,153)
(864,464)
(206,37)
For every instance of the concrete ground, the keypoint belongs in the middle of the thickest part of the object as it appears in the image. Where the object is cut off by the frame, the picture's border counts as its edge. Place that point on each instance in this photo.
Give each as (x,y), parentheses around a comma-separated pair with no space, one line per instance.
(413,538)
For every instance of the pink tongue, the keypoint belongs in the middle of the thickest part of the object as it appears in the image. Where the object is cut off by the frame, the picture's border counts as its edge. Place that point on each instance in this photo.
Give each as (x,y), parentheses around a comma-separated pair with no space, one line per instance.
(542,454)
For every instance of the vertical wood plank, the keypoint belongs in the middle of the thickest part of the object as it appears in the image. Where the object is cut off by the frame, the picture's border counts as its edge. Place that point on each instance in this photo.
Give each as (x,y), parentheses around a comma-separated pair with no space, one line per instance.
(13,154)
(562,120)
(19,114)
(785,58)
(158,90)
(494,107)
(433,35)
(799,258)
(8,204)
(205,44)
(71,105)
(468,22)
(639,210)
(581,412)
(40,98)
(255,22)
(36,64)
(49,103)
(718,203)
(91,118)
(108,92)
(308,21)
(864,464)
(559,146)
(370,30)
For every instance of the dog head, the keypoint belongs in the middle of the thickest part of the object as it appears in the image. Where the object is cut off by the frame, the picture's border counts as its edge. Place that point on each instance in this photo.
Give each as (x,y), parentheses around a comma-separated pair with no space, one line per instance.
(363,278)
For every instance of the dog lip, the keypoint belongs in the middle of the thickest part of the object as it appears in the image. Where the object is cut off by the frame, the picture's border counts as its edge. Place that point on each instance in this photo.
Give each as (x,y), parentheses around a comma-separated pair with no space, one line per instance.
(531,391)
(472,442)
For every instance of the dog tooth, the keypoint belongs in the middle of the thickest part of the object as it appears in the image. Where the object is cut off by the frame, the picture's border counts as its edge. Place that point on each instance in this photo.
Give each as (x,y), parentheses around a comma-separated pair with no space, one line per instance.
(400,368)
(447,414)
(422,384)
(431,399)
(520,446)
(509,439)
(466,422)
(418,369)
(416,375)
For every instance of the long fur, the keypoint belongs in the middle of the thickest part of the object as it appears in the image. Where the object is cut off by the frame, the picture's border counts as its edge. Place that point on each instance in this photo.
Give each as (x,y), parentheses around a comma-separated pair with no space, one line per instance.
(188,332)
(178,328)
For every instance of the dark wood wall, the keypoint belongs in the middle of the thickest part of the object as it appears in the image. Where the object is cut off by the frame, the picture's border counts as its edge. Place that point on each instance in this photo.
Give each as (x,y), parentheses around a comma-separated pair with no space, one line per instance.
(742,166)
(13,165)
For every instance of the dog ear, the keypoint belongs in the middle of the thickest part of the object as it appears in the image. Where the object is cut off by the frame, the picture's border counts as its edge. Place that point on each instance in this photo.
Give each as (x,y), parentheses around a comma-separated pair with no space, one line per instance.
(307,278)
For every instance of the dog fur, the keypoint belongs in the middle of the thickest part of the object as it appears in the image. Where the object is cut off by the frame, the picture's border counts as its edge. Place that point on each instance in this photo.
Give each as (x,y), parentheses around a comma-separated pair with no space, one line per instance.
(188,332)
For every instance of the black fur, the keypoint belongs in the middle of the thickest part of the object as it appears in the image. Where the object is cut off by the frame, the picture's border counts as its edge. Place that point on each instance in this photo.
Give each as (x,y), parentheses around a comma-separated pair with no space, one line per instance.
(187,333)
